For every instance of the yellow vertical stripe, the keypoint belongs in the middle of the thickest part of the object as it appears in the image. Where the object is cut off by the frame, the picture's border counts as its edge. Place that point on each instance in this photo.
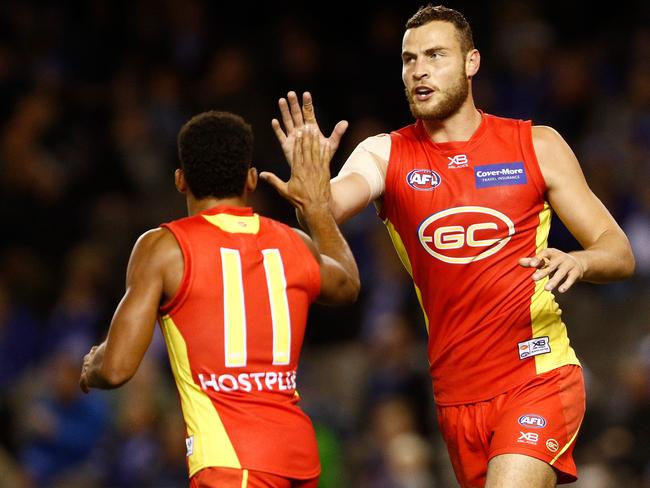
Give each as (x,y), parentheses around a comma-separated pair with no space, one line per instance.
(398,244)
(546,316)
(244,479)
(234,311)
(211,445)
(276,283)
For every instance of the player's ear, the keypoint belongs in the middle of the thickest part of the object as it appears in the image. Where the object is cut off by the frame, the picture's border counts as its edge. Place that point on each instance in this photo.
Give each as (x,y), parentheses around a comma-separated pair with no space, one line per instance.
(179,180)
(472,62)
(251,179)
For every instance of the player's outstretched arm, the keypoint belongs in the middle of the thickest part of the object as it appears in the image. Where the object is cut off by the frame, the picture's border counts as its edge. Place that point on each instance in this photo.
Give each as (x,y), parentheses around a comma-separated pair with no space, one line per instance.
(116,360)
(308,190)
(606,255)
(350,194)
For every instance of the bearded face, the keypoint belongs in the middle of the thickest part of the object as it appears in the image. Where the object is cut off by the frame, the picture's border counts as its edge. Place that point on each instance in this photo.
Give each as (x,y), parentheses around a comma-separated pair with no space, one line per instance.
(435,70)
(443,102)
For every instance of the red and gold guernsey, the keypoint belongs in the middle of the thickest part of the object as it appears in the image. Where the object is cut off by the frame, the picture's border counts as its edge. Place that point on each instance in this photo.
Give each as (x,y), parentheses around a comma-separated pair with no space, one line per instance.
(460,215)
(234,331)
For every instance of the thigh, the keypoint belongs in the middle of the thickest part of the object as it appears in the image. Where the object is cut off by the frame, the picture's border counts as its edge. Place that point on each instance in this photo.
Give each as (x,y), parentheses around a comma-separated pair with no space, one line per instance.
(541,420)
(517,470)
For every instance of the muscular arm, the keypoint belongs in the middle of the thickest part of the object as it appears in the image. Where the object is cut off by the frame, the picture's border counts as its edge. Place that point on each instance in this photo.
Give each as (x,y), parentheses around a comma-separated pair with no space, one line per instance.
(308,190)
(340,281)
(606,254)
(362,178)
(116,360)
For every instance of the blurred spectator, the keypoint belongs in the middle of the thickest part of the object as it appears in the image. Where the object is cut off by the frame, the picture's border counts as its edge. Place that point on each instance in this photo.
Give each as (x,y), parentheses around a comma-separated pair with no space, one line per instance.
(62,426)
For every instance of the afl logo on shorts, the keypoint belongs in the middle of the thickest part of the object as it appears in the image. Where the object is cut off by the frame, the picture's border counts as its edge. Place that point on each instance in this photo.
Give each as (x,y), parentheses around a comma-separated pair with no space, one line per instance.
(532,420)
(423,179)
(462,235)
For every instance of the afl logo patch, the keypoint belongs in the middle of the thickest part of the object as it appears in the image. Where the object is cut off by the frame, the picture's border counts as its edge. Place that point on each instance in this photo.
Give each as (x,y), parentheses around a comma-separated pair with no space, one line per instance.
(532,420)
(423,179)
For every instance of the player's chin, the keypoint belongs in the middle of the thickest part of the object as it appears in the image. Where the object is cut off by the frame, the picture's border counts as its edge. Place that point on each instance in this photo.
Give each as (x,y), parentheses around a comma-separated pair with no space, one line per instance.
(424,111)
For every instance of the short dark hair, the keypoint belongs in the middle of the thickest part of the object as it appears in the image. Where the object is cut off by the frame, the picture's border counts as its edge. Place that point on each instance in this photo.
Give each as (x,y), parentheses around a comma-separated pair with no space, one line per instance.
(215,151)
(429,13)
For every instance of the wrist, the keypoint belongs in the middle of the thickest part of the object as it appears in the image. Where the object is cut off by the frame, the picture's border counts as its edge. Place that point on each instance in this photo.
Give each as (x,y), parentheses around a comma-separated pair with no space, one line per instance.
(578,257)
(315,211)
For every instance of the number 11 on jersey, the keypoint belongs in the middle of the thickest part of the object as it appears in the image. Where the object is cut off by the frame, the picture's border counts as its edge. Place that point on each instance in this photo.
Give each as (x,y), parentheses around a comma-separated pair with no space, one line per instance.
(234,304)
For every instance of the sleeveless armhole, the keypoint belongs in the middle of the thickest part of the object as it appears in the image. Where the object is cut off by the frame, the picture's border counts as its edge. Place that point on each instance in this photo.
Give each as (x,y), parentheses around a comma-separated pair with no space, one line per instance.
(388,182)
(530,158)
(313,268)
(183,288)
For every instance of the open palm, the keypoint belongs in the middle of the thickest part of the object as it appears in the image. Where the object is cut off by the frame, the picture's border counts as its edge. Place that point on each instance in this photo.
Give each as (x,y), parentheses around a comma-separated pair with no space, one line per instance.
(295,118)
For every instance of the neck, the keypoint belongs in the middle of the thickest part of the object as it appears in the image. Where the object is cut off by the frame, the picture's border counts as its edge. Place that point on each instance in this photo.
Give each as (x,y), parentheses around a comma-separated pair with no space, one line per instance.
(195,205)
(459,127)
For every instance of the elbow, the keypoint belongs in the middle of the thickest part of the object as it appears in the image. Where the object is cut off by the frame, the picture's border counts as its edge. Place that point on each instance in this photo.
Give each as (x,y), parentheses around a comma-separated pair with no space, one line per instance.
(352,291)
(114,377)
(354,294)
(628,265)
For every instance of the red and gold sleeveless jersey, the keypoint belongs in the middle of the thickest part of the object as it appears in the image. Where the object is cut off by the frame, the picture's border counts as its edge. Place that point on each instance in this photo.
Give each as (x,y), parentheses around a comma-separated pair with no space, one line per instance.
(234,331)
(460,215)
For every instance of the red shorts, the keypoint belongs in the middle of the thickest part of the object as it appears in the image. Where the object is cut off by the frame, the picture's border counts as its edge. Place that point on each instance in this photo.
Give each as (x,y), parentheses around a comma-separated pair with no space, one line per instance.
(539,418)
(245,478)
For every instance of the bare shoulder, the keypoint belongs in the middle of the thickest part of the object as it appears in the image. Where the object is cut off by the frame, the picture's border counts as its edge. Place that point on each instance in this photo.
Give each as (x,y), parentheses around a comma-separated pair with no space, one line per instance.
(377,146)
(547,140)
(556,159)
(157,247)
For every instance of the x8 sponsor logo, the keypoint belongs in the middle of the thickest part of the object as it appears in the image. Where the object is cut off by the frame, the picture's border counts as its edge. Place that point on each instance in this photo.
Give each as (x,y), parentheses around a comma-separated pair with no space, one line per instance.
(461,235)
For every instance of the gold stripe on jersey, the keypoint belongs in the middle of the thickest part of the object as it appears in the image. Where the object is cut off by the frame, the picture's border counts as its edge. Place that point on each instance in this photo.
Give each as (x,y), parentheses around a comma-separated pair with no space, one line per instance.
(277,287)
(211,444)
(242,224)
(546,316)
(398,244)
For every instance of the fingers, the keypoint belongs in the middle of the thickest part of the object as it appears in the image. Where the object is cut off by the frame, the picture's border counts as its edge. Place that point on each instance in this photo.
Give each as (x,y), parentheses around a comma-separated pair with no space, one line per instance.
(279,185)
(296,111)
(335,138)
(308,111)
(532,262)
(83,384)
(285,113)
(311,147)
(562,269)
(279,133)
(297,149)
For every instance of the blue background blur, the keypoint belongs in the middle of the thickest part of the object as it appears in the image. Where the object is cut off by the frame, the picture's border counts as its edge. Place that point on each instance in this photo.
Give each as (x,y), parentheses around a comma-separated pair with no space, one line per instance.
(92,95)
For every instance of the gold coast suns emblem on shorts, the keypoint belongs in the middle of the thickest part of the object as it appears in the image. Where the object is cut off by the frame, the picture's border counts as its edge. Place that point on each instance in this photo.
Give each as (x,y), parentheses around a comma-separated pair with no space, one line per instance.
(462,235)
(552,445)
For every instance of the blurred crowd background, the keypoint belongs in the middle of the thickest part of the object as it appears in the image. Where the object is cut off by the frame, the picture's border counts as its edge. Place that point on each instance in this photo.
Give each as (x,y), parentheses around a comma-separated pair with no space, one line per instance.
(92,95)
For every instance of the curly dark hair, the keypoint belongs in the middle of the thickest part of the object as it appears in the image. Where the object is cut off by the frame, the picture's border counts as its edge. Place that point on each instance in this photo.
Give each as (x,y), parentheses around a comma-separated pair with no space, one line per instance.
(429,13)
(215,151)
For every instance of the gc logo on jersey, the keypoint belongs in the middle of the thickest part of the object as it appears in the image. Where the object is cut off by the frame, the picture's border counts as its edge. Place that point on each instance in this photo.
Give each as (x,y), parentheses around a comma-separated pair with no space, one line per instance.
(461,235)
(423,179)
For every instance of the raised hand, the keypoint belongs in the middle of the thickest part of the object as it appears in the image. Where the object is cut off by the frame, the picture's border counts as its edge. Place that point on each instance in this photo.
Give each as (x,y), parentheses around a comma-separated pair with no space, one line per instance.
(295,118)
(308,187)
(563,269)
